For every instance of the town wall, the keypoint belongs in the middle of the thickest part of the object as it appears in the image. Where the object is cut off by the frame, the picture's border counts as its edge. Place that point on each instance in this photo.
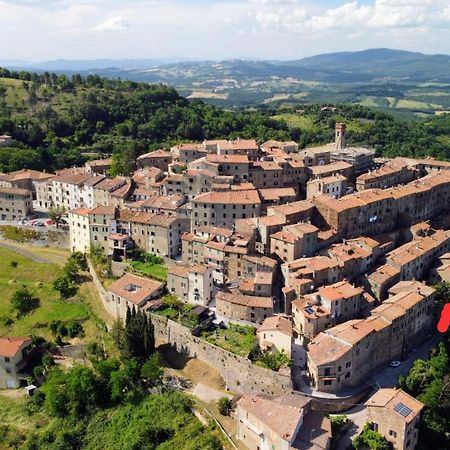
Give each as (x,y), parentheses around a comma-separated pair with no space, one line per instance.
(240,375)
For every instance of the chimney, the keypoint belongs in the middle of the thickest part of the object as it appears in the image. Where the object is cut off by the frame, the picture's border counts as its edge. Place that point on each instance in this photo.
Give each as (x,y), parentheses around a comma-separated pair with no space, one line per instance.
(340,141)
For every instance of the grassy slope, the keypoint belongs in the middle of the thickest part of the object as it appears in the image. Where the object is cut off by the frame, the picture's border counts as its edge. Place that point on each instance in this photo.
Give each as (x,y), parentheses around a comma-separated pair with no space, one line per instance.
(85,306)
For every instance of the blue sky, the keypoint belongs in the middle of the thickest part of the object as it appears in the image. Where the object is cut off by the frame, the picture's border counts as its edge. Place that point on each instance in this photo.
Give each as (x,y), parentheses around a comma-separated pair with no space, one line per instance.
(38,30)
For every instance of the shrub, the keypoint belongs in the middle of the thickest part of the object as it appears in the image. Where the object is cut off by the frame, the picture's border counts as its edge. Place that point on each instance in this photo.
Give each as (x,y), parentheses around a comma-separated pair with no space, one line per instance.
(224,405)
(23,301)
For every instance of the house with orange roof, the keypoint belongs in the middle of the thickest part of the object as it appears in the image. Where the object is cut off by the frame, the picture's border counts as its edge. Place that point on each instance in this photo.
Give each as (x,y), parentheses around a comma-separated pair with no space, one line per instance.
(159,158)
(15,203)
(276,334)
(287,422)
(191,284)
(396,415)
(133,291)
(13,352)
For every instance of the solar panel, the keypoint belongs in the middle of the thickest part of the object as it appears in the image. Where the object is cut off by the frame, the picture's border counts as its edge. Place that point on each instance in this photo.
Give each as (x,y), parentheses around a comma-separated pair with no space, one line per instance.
(402,409)
(309,310)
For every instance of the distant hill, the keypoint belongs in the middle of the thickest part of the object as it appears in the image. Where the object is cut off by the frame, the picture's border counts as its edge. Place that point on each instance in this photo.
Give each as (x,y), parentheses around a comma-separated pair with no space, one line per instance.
(407,82)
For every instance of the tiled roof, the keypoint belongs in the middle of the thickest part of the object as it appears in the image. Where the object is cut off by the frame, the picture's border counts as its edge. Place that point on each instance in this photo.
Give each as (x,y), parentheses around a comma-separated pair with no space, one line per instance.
(277,323)
(229,197)
(9,346)
(141,288)
(245,300)
(282,419)
(390,398)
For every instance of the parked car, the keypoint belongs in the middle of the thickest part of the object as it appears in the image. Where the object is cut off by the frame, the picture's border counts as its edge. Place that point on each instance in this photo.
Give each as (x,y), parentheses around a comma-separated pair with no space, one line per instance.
(395,363)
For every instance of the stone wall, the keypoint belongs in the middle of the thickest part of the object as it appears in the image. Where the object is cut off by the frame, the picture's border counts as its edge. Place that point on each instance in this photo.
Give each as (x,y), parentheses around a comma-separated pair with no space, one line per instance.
(239,373)
(110,306)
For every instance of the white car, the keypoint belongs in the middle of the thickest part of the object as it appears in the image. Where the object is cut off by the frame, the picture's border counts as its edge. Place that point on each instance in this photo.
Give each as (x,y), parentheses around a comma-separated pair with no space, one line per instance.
(395,363)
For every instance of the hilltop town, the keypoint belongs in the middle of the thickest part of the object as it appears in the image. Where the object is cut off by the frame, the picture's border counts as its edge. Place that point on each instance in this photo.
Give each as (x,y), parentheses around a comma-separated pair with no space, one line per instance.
(329,253)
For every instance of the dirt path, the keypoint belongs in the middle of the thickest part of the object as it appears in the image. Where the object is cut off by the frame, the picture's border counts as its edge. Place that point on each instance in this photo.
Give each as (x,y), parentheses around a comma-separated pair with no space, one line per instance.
(40,255)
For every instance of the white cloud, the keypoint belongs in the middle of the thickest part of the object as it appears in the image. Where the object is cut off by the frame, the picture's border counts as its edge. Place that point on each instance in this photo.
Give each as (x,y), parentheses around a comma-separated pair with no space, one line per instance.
(113,24)
(216,29)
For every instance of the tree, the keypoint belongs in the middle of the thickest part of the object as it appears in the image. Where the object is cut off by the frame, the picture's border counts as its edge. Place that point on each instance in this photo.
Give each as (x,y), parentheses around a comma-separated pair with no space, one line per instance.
(56,214)
(64,286)
(224,405)
(151,370)
(371,439)
(24,302)
(139,339)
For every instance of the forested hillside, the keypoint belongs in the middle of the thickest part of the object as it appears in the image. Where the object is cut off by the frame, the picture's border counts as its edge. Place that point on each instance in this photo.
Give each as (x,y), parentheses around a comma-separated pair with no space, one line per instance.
(58,122)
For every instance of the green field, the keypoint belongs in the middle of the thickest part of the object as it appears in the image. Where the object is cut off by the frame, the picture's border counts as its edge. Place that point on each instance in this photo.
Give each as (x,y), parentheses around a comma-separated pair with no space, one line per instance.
(238,339)
(296,121)
(157,271)
(38,278)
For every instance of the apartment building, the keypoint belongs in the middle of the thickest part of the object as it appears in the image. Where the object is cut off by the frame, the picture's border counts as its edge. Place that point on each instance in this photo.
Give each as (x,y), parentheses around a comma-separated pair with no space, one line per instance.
(187,153)
(191,284)
(158,158)
(103,190)
(388,175)
(329,306)
(15,203)
(221,209)
(377,211)
(159,233)
(382,279)
(396,415)
(345,355)
(13,354)
(133,291)
(285,422)
(79,230)
(294,242)
(266,174)
(414,259)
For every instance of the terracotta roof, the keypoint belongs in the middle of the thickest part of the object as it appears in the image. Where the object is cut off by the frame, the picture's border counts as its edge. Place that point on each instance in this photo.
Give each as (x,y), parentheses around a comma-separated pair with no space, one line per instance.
(103,210)
(393,399)
(333,167)
(14,191)
(412,285)
(340,290)
(161,153)
(324,349)
(277,323)
(245,300)
(273,194)
(135,289)
(26,174)
(283,420)
(99,162)
(80,211)
(9,346)
(229,197)
(223,159)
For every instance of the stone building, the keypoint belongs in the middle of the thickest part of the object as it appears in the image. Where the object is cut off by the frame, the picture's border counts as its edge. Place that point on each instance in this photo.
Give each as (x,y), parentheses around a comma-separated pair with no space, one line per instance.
(221,209)
(286,422)
(275,334)
(159,159)
(15,203)
(345,355)
(131,290)
(396,415)
(236,307)
(191,284)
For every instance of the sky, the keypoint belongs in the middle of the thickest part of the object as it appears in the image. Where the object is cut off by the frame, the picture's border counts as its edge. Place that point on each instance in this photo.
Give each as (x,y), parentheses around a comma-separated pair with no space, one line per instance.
(39,30)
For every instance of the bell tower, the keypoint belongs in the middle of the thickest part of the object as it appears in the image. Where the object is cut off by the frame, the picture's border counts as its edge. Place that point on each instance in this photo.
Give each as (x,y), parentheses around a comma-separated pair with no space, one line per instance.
(340,141)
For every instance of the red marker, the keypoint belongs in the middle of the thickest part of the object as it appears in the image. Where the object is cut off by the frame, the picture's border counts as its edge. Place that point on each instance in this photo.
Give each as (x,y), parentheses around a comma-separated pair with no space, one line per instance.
(444,321)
